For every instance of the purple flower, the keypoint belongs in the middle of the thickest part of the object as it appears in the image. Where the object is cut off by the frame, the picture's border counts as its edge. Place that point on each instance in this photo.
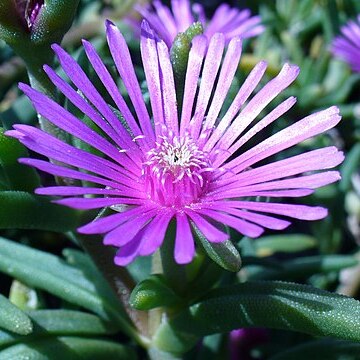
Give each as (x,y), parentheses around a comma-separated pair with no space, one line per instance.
(28,11)
(229,21)
(347,45)
(192,169)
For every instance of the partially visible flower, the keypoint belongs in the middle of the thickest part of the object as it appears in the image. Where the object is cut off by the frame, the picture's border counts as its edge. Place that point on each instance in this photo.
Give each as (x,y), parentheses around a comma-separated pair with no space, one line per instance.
(190,168)
(28,11)
(347,45)
(242,341)
(229,21)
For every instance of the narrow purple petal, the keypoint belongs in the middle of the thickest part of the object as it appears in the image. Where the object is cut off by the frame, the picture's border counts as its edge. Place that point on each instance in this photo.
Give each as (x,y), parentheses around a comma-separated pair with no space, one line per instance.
(210,232)
(154,233)
(125,232)
(108,223)
(166,33)
(81,104)
(96,203)
(121,55)
(182,14)
(243,94)
(79,78)
(319,159)
(150,60)
(196,57)
(209,73)
(184,241)
(280,110)
(168,89)
(166,17)
(301,212)
(53,148)
(242,226)
(227,73)
(303,129)
(273,88)
(129,251)
(79,190)
(111,87)
(268,222)
(68,122)
(64,172)
(310,182)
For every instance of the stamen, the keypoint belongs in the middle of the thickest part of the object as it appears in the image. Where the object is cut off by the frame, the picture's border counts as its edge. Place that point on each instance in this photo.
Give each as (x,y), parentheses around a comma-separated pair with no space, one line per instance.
(176,171)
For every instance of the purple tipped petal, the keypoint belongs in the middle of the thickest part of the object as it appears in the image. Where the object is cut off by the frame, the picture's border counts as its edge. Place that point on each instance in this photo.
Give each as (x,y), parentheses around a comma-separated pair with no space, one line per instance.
(209,72)
(184,242)
(196,56)
(127,253)
(228,69)
(122,59)
(154,233)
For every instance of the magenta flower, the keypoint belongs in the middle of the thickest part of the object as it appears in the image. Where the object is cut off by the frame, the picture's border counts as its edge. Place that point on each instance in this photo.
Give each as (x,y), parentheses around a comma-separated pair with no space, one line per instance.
(229,21)
(191,169)
(347,45)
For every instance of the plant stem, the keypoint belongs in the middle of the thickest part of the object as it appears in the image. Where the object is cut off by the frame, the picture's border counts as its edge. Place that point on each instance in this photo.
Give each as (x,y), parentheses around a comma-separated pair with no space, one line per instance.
(119,279)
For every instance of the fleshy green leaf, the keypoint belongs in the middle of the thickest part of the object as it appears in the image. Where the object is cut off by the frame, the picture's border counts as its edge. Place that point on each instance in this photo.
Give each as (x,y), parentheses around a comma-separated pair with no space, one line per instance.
(50,273)
(305,266)
(69,348)
(179,54)
(13,319)
(277,305)
(22,210)
(18,176)
(83,262)
(349,166)
(324,349)
(153,292)
(268,245)
(50,323)
(224,254)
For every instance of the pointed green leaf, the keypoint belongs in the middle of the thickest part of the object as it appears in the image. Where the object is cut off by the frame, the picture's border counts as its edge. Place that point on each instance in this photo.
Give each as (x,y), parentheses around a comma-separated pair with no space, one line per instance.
(69,348)
(300,268)
(50,273)
(22,210)
(83,262)
(349,166)
(13,319)
(153,292)
(277,305)
(50,323)
(268,245)
(224,254)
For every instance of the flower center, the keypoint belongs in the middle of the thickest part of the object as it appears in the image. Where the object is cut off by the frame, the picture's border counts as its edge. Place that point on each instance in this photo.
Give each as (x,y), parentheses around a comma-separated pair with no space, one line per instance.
(176,171)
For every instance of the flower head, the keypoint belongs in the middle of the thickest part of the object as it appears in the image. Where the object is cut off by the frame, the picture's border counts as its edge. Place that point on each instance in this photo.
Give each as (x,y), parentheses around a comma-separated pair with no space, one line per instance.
(347,45)
(229,21)
(184,165)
